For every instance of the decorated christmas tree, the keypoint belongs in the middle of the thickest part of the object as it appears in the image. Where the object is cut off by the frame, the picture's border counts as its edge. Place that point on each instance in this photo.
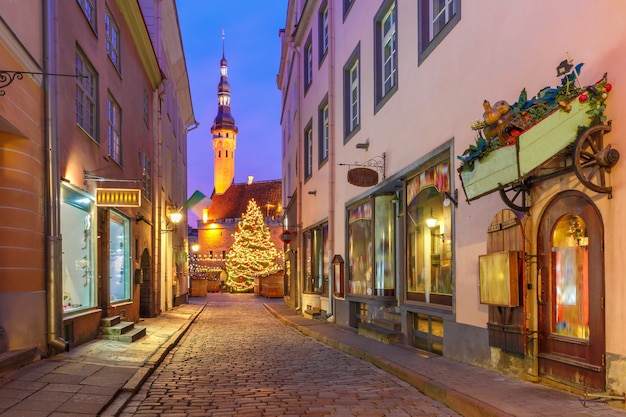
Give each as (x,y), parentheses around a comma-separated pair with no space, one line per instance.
(253,254)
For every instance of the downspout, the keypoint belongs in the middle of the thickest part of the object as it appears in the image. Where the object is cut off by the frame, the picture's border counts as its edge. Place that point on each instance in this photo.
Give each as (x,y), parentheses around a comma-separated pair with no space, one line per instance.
(331,156)
(54,283)
(157,202)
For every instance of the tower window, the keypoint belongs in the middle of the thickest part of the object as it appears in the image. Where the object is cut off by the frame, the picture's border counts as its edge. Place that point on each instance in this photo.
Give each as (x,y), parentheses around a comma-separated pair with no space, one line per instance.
(226,154)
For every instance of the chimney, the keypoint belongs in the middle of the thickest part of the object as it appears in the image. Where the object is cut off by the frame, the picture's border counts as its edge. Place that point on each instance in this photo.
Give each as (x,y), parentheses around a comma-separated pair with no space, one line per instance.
(250,179)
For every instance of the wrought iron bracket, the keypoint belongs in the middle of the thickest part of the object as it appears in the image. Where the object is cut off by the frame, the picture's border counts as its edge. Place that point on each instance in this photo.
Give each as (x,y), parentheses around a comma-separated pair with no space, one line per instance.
(7,77)
(376,162)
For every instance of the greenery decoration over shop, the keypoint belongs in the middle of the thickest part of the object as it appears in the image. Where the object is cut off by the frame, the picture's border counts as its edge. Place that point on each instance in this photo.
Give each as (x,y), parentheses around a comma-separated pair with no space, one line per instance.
(502,123)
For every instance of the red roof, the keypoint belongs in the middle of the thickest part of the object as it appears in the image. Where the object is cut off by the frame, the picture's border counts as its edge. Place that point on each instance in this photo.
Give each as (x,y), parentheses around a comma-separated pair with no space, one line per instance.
(233,203)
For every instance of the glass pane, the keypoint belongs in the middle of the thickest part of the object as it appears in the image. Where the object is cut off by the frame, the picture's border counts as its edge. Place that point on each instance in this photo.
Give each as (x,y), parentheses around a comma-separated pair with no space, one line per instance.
(77,213)
(360,249)
(384,244)
(570,260)
(119,259)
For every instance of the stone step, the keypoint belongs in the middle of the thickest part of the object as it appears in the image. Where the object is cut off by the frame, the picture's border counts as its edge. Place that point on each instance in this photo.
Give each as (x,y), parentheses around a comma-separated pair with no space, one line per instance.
(389,324)
(110,321)
(136,333)
(118,329)
(381,334)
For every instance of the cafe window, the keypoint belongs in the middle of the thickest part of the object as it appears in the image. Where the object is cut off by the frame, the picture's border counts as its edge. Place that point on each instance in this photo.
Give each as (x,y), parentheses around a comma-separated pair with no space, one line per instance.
(429,236)
(119,258)
(78,259)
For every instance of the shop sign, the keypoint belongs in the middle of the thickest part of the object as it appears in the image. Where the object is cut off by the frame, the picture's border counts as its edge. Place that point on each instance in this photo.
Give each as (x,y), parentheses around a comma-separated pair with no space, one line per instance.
(362,177)
(118,197)
(286,236)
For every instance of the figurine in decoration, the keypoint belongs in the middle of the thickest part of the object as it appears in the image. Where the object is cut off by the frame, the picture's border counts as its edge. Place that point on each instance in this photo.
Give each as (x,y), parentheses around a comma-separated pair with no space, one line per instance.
(497,118)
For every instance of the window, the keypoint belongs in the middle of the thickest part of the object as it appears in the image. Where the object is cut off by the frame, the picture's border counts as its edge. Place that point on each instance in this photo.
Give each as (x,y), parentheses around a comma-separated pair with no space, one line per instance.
(371,253)
(86,96)
(347,5)
(119,258)
(429,236)
(323,30)
(308,63)
(308,151)
(146,107)
(114,130)
(146,180)
(316,259)
(436,20)
(89,9)
(112,40)
(352,94)
(324,130)
(386,53)
(360,244)
(79,249)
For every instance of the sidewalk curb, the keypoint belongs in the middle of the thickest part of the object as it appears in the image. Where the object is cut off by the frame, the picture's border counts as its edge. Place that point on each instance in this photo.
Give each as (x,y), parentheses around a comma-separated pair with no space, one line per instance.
(123,396)
(455,400)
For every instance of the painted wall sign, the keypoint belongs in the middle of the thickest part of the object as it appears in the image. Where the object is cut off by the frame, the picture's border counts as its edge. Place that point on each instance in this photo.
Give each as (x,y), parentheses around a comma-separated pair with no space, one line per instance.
(118,197)
(362,177)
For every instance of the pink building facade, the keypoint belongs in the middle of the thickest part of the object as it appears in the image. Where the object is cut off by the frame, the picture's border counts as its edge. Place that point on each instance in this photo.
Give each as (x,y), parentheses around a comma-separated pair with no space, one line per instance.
(519,273)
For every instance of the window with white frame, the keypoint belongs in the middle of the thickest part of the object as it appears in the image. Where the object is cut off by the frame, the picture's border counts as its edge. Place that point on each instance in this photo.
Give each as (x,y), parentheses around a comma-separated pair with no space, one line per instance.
(308,150)
(114,130)
(89,10)
(146,183)
(347,5)
(86,96)
(436,20)
(112,39)
(323,16)
(352,94)
(324,130)
(386,53)
(308,63)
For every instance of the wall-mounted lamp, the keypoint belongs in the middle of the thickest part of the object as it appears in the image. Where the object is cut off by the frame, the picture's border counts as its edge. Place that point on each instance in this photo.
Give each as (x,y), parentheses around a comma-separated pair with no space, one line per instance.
(364,145)
(175,216)
(338,265)
(195,247)
(314,192)
(454,198)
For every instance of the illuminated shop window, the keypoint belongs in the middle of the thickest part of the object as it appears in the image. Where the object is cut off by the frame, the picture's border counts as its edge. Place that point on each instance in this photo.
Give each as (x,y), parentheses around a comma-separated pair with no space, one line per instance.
(79,248)
(429,237)
(119,258)
(316,259)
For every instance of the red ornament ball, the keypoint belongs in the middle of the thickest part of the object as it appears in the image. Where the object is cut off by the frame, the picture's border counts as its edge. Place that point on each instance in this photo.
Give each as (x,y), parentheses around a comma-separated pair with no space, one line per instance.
(582,98)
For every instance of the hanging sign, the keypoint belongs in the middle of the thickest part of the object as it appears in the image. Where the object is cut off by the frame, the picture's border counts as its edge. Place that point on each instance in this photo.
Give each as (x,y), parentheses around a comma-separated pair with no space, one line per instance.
(286,236)
(118,197)
(362,177)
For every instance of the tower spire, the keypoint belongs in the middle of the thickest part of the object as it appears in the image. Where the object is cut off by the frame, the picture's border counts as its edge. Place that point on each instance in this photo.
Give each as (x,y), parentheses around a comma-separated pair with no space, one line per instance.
(224,132)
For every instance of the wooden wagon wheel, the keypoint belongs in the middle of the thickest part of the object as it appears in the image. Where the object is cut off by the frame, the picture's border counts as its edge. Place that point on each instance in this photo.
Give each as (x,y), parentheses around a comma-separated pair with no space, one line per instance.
(593,161)
(515,196)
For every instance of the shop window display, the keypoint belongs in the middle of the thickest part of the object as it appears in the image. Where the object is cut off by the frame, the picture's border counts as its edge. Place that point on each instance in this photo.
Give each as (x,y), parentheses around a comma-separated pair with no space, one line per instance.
(361,239)
(78,259)
(119,258)
(429,237)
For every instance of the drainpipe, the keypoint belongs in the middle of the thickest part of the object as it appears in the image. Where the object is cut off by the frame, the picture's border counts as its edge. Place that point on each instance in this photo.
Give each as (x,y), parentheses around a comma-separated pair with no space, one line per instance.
(54,288)
(331,155)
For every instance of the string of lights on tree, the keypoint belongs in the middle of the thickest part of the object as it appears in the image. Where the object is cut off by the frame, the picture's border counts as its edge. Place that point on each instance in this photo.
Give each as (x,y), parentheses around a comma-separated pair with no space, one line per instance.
(253,254)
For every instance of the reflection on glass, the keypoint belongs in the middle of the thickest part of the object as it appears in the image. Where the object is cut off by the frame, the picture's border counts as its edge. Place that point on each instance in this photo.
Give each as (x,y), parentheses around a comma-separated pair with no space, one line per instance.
(570,259)
(119,259)
(384,284)
(360,241)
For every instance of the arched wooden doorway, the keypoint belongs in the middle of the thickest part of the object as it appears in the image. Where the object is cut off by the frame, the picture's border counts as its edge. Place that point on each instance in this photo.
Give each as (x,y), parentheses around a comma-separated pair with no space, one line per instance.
(571,292)
(147,299)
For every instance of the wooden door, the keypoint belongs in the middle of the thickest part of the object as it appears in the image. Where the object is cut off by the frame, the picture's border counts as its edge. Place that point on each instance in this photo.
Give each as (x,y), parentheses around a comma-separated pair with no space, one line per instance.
(571,292)
(507,324)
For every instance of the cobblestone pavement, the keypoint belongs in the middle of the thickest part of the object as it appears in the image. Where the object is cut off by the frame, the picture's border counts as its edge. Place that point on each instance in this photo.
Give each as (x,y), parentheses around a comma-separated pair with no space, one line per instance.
(238,360)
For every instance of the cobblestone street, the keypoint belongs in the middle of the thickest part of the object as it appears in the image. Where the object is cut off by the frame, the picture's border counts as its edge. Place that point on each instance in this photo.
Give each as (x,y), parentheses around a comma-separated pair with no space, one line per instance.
(238,360)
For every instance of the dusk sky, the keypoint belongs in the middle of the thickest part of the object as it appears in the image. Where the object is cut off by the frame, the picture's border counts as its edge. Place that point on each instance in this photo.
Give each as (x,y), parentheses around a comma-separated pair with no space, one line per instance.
(252,49)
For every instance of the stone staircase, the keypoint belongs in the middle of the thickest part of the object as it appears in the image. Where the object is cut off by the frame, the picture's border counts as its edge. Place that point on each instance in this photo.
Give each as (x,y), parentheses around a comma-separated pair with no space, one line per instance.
(113,328)
(386,328)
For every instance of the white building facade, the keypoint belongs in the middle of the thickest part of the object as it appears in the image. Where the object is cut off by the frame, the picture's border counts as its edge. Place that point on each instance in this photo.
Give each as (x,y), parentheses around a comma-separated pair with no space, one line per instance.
(393,221)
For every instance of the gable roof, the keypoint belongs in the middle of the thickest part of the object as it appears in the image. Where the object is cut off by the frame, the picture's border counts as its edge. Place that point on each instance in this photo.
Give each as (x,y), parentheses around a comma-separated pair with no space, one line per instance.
(233,203)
